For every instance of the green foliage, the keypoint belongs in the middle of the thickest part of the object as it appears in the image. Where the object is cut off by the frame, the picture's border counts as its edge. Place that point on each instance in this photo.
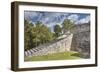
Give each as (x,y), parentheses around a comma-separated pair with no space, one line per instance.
(27,34)
(36,34)
(67,25)
(57,30)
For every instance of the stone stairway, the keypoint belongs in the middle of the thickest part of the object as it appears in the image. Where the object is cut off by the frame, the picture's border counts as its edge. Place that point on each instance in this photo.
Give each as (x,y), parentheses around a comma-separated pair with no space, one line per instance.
(59,45)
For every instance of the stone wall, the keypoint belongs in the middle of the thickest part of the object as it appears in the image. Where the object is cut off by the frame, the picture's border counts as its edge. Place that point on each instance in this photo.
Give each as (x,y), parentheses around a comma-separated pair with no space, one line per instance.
(81,40)
(61,45)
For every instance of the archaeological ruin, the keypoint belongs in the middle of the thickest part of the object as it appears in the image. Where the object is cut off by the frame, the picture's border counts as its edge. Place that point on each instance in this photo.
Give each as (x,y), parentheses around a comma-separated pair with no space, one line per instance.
(78,40)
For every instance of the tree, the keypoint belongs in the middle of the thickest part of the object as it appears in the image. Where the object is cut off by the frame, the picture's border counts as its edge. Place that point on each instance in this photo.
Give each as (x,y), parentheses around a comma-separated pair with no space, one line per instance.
(36,34)
(45,35)
(67,25)
(28,35)
(57,30)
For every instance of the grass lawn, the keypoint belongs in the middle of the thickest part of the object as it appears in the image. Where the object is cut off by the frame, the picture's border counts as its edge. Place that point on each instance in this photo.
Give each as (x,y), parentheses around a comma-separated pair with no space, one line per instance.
(56,56)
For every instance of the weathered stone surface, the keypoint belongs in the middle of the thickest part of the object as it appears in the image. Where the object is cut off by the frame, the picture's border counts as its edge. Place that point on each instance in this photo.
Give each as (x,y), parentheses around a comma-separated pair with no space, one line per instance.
(50,48)
(81,40)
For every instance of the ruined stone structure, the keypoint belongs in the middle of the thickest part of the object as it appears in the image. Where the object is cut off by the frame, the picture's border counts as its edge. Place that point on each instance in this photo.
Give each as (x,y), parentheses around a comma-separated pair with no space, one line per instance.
(60,45)
(81,39)
(78,40)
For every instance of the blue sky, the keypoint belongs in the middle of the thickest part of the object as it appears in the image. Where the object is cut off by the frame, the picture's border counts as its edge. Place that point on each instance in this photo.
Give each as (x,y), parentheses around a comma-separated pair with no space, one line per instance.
(52,18)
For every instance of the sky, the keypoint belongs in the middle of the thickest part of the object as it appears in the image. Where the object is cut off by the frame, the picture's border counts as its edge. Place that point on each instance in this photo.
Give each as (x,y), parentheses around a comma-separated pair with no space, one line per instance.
(50,19)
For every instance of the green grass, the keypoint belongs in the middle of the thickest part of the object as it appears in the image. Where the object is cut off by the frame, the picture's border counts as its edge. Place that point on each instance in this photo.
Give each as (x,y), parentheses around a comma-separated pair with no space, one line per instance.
(56,56)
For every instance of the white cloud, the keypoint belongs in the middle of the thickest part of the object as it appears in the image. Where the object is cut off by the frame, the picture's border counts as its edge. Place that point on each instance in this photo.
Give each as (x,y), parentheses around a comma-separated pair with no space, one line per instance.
(53,18)
(73,17)
(29,15)
(32,14)
(84,20)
